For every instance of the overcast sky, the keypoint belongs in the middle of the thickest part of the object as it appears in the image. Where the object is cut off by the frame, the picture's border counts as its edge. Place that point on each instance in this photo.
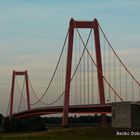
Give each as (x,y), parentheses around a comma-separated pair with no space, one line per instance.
(32,33)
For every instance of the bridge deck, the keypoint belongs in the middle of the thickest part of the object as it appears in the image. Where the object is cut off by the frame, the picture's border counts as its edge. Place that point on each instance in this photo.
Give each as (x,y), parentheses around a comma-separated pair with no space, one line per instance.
(102,109)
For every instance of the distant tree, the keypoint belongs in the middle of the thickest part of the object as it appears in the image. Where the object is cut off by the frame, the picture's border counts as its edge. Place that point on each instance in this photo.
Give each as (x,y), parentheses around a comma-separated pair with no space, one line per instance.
(1,119)
(1,116)
(29,124)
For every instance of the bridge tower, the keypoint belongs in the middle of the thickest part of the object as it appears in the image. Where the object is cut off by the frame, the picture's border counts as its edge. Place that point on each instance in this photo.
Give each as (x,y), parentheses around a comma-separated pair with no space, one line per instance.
(19,73)
(82,24)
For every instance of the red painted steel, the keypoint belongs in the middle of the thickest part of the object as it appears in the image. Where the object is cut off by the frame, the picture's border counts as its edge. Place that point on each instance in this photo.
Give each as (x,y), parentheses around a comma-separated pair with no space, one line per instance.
(27,90)
(99,62)
(99,67)
(68,74)
(93,109)
(12,93)
(81,24)
(19,73)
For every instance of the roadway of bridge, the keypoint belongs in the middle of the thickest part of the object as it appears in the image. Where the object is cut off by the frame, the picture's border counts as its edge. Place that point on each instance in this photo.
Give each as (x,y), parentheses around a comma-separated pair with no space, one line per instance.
(74,109)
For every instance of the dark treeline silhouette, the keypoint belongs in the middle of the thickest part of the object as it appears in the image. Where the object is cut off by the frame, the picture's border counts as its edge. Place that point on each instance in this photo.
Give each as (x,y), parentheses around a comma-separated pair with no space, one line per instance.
(28,124)
(38,123)
(1,117)
(77,120)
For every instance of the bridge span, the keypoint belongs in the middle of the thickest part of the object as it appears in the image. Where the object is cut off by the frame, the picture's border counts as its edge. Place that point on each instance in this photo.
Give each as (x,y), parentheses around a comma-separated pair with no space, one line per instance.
(75,109)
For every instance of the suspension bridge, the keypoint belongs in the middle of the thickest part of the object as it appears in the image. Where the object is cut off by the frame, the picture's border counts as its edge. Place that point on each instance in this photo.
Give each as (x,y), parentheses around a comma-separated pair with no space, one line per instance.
(89,76)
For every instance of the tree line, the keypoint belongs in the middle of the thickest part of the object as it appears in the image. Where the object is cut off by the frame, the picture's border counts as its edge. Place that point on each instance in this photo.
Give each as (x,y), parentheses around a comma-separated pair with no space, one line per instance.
(38,123)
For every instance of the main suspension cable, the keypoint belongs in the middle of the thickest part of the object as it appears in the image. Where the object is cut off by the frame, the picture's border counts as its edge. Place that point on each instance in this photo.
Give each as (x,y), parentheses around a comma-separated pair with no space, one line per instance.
(54,71)
(97,67)
(73,72)
(118,56)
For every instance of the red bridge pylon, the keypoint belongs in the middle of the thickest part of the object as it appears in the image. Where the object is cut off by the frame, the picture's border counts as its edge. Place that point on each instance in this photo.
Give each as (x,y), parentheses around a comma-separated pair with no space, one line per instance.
(82,24)
(19,73)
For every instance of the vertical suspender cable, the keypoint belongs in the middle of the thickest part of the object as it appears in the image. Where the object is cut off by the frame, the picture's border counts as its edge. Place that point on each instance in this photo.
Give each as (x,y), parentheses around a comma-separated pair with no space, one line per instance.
(53,85)
(88,77)
(139,92)
(80,71)
(57,82)
(54,89)
(80,51)
(114,77)
(56,94)
(104,49)
(109,74)
(93,72)
(132,89)
(62,63)
(120,75)
(76,95)
(126,85)
(84,77)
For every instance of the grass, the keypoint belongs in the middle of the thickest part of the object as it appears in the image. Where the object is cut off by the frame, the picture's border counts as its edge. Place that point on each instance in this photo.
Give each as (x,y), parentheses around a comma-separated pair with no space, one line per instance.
(80,133)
